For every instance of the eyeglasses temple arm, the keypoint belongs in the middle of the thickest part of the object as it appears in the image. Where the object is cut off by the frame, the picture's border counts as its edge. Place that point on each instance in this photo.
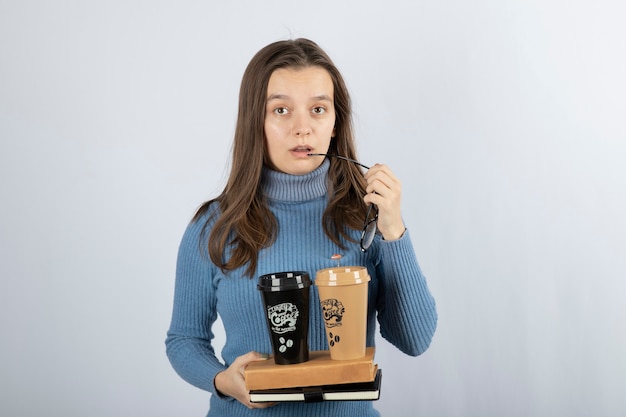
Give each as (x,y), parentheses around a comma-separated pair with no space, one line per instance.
(340,157)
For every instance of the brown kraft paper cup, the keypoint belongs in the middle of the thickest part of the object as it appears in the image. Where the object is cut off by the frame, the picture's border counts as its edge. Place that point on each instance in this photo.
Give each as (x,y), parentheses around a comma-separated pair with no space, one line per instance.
(343,299)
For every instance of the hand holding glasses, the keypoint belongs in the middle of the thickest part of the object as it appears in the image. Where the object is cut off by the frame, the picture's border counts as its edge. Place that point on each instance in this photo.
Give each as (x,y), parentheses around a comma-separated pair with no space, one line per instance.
(369,227)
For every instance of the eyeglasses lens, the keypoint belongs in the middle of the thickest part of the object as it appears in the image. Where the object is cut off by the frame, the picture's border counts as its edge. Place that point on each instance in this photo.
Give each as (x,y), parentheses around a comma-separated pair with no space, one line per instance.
(369,229)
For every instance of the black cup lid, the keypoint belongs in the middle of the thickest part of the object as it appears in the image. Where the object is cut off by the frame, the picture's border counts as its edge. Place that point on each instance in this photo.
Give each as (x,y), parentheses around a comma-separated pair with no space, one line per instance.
(283,281)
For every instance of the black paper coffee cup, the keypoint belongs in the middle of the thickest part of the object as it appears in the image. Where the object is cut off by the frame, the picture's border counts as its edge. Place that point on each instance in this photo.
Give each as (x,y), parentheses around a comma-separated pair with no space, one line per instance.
(286,301)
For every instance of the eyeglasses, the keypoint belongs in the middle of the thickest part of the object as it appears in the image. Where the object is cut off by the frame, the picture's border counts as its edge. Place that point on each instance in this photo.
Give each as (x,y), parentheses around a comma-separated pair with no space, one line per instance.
(369,227)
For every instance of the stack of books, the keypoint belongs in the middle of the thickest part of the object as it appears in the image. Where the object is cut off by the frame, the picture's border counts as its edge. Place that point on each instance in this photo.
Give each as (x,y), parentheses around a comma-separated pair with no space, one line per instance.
(318,379)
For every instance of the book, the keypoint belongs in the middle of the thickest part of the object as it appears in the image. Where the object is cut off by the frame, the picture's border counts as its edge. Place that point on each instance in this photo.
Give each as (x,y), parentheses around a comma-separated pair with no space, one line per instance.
(358,391)
(319,370)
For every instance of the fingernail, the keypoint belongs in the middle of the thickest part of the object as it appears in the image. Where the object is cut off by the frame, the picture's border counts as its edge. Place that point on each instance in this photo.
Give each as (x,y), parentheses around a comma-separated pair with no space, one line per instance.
(264,356)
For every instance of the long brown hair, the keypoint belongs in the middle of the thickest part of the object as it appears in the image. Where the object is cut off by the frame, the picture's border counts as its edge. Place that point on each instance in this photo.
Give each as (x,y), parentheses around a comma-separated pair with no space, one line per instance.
(245,225)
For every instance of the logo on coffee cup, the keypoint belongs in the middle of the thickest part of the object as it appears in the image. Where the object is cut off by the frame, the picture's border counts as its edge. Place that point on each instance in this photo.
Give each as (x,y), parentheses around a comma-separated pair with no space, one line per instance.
(283,317)
(333,312)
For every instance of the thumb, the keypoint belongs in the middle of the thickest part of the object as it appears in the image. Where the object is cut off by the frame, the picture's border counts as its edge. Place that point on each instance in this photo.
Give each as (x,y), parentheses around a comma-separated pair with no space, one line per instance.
(241,363)
(252,356)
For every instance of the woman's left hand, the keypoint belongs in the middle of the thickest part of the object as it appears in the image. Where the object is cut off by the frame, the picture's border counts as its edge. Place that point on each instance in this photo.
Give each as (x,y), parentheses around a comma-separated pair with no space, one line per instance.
(384,189)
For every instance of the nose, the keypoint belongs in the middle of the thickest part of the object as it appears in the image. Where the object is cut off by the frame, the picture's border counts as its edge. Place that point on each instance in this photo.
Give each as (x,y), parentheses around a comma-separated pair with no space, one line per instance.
(303,131)
(302,126)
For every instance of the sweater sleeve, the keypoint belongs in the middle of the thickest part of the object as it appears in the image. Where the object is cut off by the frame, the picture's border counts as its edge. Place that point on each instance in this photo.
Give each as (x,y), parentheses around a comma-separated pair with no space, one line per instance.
(406,309)
(188,342)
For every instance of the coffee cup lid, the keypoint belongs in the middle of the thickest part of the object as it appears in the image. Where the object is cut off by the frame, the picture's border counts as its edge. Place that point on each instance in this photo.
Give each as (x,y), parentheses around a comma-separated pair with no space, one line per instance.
(344,275)
(283,281)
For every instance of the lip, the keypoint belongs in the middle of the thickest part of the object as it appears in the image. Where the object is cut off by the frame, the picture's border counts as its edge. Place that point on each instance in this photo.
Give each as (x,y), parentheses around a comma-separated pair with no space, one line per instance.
(301,151)
(302,148)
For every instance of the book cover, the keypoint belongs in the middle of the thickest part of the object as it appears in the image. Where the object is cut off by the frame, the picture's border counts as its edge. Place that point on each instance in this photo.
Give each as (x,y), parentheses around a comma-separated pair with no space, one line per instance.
(317,371)
(359,391)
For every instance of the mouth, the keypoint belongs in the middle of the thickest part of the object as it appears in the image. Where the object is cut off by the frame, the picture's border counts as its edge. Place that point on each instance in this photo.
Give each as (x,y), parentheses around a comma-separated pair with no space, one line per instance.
(302,148)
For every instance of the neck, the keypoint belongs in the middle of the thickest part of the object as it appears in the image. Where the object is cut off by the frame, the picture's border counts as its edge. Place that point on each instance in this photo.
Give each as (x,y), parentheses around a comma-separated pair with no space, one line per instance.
(285,187)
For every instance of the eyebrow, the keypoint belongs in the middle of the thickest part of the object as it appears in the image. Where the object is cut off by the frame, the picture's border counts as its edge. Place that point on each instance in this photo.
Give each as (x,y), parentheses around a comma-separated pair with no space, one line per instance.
(322,97)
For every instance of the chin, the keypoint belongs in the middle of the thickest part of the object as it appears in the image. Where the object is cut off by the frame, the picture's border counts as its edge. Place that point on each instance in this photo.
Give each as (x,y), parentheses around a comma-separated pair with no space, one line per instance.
(298,169)
(301,171)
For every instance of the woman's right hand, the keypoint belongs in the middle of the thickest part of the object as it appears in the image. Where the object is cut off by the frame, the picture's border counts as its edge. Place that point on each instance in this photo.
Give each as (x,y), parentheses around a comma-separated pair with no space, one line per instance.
(231,382)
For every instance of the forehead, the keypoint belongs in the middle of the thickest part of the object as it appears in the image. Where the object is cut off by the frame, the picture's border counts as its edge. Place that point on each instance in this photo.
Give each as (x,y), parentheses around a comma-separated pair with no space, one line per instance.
(312,80)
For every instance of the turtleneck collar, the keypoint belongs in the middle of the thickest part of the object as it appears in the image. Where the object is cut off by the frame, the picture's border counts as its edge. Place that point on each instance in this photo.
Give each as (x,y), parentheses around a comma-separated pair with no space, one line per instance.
(286,187)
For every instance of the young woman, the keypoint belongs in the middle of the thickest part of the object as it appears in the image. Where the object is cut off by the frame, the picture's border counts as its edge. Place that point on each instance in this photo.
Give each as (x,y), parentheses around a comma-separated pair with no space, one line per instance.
(285,208)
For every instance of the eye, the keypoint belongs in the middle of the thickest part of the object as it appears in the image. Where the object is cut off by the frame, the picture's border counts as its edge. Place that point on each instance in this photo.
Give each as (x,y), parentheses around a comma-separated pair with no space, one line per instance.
(319,110)
(281,111)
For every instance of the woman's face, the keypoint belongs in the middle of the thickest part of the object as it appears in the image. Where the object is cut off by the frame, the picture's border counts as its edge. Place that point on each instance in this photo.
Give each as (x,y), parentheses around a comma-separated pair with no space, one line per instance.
(299,118)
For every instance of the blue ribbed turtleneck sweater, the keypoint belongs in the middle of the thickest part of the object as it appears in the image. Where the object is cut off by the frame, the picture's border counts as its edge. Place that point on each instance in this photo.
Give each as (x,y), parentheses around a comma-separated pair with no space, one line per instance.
(398,295)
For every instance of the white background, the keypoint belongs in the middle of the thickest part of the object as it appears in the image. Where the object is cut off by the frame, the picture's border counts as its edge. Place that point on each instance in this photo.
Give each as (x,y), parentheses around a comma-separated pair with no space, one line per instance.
(505,119)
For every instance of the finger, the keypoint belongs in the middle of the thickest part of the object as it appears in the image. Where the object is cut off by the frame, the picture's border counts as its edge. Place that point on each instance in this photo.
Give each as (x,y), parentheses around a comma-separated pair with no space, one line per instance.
(244,360)
(382,195)
(378,186)
(381,181)
(372,198)
(373,170)
(384,201)
(378,169)
(241,363)
(252,405)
